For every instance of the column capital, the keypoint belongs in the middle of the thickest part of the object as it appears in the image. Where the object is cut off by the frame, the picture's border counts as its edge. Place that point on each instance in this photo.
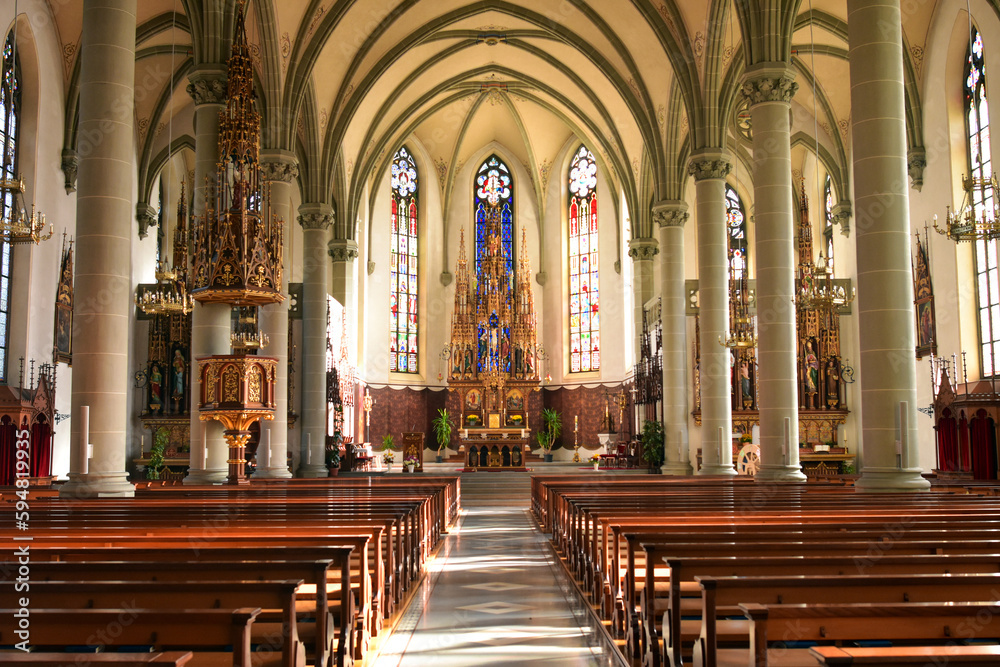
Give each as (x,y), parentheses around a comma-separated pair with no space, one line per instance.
(916,161)
(207,84)
(315,216)
(343,250)
(279,165)
(710,163)
(769,82)
(146,217)
(70,165)
(841,215)
(643,249)
(670,213)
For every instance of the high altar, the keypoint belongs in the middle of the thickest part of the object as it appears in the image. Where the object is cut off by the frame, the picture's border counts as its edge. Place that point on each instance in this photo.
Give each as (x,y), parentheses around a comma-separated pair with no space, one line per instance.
(493,353)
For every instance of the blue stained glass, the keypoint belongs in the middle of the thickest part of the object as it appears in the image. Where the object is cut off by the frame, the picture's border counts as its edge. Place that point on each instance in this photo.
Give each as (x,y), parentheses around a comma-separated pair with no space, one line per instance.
(10,109)
(494,186)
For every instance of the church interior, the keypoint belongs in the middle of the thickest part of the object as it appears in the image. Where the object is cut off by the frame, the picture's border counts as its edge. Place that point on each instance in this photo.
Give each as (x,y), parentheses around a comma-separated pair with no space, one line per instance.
(251,247)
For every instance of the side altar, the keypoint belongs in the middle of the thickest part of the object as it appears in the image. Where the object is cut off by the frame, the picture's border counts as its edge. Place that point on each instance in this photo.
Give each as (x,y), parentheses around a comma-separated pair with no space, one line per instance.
(493,350)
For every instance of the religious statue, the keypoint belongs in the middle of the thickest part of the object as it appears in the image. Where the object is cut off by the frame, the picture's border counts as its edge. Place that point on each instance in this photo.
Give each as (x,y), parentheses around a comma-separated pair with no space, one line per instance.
(745,383)
(832,384)
(811,375)
(155,389)
(178,375)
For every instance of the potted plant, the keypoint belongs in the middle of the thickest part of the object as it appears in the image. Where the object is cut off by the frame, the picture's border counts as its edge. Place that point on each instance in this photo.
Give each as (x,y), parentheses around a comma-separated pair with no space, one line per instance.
(410,462)
(443,425)
(545,442)
(652,444)
(387,453)
(552,421)
(160,442)
(333,455)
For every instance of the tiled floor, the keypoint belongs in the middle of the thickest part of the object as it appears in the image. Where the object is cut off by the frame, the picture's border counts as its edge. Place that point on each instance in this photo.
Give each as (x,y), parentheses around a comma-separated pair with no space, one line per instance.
(495,594)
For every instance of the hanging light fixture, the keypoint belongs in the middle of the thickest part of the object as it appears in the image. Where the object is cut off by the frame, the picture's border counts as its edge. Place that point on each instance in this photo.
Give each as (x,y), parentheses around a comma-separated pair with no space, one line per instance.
(977,219)
(169,296)
(17,225)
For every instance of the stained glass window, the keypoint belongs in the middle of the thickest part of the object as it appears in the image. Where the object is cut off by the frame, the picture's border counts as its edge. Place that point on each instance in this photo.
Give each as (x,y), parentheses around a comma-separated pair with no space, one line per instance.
(977,117)
(737,225)
(494,186)
(403,264)
(828,228)
(584,281)
(10,116)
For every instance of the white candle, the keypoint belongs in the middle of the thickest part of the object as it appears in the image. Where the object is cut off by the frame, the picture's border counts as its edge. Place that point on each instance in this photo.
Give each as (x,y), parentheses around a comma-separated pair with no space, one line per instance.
(142,444)
(204,446)
(309,444)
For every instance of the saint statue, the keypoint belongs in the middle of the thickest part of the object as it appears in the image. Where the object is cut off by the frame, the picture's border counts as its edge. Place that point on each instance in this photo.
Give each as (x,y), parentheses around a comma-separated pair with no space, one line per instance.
(155,389)
(812,373)
(178,370)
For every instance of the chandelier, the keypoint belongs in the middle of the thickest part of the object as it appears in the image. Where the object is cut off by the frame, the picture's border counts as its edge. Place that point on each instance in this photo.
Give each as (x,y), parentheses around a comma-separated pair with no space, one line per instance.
(975,221)
(818,290)
(168,296)
(741,322)
(17,225)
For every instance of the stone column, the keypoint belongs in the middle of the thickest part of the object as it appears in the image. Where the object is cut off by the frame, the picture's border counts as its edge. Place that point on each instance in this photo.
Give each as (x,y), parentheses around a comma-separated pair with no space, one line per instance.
(103,307)
(642,251)
(885,283)
(768,87)
(670,216)
(280,169)
(315,220)
(210,324)
(710,166)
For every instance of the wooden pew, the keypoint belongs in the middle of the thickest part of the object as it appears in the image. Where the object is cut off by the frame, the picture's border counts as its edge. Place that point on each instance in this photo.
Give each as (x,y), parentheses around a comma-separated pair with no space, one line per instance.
(35,658)
(721,597)
(276,627)
(215,636)
(908,656)
(922,623)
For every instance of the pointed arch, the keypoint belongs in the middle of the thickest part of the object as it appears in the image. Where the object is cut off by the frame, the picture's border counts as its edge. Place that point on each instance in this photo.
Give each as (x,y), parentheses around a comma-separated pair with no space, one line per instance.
(584,278)
(493,185)
(404,184)
(736,226)
(10,123)
(977,126)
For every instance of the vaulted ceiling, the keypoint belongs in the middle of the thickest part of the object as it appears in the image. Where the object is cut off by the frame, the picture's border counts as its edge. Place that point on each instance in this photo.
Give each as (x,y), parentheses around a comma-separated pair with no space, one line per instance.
(347,82)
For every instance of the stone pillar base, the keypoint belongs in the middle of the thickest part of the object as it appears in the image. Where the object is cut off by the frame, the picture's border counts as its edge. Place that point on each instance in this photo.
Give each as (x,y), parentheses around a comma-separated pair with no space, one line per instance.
(97,485)
(682,468)
(310,471)
(779,473)
(281,472)
(891,479)
(209,476)
(716,469)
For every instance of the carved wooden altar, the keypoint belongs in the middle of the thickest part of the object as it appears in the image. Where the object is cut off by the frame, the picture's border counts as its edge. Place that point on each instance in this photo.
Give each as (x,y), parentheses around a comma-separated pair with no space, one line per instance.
(413,447)
(493,362)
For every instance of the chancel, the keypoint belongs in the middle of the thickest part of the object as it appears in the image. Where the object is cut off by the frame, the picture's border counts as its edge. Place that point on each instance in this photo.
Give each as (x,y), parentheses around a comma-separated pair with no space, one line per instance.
(410,309)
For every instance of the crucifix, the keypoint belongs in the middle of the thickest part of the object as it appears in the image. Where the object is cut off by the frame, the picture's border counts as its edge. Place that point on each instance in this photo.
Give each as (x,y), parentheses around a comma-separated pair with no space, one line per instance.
(367,403)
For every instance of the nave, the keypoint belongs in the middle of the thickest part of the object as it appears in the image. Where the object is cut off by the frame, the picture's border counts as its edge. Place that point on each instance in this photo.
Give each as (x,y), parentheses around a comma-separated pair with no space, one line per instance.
(496,593)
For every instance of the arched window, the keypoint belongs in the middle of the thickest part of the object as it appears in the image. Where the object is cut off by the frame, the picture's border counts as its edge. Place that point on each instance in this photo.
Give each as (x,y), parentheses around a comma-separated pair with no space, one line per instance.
(977,120)
(10,117)
(828,228)
(403,265)
(584,280)
(494,186)
(737,224)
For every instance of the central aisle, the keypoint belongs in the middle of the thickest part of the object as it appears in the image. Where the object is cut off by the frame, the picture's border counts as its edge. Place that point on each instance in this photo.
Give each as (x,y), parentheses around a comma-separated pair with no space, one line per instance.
(495,594)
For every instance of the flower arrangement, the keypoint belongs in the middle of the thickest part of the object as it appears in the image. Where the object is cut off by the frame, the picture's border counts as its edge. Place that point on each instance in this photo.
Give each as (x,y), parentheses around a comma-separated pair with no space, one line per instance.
(388,457)
(746,437)
(410,460)
(595,459)
(472,420)
(515,419)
